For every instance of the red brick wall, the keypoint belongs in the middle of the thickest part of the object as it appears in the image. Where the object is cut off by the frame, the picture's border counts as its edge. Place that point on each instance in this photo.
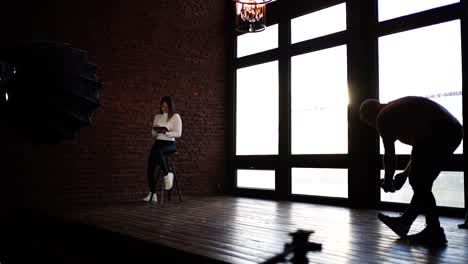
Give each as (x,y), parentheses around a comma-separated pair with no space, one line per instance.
(144,50)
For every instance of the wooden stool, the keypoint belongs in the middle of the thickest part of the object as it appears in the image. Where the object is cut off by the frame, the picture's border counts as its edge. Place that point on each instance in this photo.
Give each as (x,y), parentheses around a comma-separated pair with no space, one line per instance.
(171,167)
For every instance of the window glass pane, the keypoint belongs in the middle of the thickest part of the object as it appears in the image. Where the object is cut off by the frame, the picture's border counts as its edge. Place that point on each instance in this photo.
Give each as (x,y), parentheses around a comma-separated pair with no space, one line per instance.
(320,182)
(447,189)
(324,22)
(250,43)
(319,101)
(257,110)
(256,179)
(389,9)
(423,62)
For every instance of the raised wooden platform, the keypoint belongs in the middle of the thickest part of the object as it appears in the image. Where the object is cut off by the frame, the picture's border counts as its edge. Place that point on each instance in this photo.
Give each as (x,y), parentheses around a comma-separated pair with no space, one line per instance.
(235,230)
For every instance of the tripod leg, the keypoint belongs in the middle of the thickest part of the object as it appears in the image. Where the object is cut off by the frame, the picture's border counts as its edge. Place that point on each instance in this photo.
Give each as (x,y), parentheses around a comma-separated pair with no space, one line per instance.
(464,225)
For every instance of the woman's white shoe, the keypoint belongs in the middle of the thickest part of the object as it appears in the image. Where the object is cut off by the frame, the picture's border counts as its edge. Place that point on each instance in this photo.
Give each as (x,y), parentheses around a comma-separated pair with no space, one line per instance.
(147,198)
(168,180)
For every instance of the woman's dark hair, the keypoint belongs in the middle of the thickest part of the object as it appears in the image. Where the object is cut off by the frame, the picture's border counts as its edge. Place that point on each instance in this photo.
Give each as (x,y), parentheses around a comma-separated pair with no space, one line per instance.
(170,104)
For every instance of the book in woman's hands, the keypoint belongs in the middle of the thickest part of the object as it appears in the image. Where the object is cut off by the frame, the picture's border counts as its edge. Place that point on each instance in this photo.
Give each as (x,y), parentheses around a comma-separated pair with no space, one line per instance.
(160,129)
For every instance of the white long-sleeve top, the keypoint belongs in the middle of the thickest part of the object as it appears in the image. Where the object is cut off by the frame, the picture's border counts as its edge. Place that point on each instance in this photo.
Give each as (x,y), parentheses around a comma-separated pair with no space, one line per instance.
(174,125)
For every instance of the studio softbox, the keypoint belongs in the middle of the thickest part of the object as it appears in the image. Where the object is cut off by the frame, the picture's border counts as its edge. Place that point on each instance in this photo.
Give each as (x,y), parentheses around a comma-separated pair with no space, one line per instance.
(48,90)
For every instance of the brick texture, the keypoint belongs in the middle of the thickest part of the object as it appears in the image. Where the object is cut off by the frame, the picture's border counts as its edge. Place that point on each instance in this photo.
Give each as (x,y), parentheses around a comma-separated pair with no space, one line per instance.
(144,50)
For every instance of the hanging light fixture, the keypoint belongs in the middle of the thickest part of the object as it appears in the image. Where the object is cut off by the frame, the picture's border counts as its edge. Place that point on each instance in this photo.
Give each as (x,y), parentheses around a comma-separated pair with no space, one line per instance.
(250,15)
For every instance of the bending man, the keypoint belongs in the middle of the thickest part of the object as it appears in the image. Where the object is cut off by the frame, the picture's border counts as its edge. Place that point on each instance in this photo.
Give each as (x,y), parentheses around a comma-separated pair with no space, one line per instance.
(434,134)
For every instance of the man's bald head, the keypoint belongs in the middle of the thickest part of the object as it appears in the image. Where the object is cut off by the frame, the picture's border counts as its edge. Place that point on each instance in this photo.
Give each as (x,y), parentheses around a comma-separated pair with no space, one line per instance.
(369,110)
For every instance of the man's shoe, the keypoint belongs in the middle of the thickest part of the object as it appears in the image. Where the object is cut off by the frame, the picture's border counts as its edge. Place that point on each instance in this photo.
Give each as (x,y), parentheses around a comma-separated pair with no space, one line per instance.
(430,236)
(395,224)
(147,198)
(168,180)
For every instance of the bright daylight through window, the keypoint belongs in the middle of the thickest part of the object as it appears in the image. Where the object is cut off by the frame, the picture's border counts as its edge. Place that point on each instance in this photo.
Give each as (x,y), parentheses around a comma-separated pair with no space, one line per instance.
(425,62)
(257,120)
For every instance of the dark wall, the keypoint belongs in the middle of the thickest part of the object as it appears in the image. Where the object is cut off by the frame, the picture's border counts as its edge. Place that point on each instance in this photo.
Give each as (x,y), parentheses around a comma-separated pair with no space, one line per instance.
(143,50)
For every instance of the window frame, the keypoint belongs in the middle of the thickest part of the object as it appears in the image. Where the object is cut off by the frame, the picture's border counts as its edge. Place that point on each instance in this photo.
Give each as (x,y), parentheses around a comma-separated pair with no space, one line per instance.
(363,160)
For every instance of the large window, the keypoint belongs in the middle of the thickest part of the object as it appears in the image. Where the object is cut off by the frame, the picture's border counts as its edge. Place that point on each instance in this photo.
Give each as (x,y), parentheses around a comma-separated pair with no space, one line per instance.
(319,100)
(423,62)
(257,110)
(297,86)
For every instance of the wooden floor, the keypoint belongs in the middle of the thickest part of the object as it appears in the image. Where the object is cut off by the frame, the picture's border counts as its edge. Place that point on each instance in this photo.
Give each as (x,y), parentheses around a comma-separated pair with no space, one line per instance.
(243,230)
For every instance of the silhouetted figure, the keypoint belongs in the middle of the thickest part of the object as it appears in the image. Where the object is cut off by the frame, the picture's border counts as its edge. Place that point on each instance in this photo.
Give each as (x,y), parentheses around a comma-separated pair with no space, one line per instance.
(167,126)
(434,134)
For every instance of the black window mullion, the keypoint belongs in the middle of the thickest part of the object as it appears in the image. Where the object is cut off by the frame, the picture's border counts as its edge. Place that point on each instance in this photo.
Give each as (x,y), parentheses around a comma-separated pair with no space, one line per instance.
(231,102)
(421,19)
(328,41)
(464,45)
(320,161)
(363,84)
(283,175)
(257,58)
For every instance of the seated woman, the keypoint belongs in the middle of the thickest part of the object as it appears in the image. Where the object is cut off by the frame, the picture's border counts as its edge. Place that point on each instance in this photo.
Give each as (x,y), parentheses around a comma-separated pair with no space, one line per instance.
(167,126)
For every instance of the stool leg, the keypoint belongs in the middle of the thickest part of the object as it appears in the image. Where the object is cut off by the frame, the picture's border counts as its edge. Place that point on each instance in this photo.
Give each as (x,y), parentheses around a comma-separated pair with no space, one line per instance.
(162,191)
(169,192)
(175,179)
(178,189)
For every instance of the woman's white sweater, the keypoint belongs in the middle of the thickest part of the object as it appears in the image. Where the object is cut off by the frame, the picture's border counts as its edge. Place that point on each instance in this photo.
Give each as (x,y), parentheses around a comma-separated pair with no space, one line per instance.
(174,125)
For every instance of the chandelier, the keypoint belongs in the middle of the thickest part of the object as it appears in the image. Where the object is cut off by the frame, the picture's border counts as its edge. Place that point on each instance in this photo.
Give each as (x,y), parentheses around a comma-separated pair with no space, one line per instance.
(250,15)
